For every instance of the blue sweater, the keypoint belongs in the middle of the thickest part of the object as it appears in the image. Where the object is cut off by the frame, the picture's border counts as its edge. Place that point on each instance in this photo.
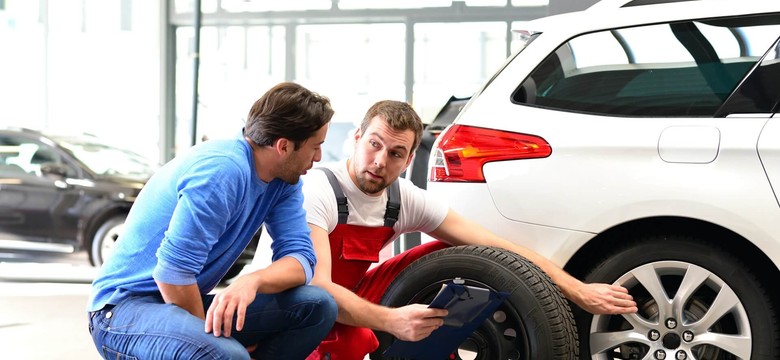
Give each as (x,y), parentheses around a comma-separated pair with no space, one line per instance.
(193,219)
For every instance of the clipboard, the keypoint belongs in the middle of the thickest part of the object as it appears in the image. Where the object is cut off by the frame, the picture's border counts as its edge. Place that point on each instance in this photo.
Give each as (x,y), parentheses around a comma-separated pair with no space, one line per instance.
(468,308)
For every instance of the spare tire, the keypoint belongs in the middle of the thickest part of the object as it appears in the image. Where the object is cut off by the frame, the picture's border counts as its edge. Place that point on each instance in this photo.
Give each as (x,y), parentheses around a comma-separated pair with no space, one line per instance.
(533,322)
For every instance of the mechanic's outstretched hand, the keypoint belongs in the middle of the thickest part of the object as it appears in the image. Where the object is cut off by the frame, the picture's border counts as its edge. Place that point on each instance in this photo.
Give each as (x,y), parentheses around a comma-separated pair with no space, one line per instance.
(601,299)
(414,322)
(233,300)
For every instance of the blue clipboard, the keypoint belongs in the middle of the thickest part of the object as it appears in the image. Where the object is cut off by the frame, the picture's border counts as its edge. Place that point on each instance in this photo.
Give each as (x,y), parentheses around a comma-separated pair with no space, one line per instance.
(468,307)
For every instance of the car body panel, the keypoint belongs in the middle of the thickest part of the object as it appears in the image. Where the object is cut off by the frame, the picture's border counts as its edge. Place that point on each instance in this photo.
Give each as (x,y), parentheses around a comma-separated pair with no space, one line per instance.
(769,152)
(52,212)
(583,203)
(557,244)
(32,205)
(662,174)
(737,195)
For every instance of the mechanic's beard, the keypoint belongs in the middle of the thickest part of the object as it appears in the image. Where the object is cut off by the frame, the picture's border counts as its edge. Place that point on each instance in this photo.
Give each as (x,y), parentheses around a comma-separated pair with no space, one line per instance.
(369,187)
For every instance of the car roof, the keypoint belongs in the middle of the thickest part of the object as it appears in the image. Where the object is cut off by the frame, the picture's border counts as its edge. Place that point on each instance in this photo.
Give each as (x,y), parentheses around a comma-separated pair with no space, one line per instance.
(608,14)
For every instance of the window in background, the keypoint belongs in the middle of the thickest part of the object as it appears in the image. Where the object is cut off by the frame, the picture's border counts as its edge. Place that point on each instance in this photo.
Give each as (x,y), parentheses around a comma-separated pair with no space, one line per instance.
(23,75)
(265,5)
(520,34)
(408,4)
(83,66)
(185,6)
(392,4)
(354,65)
(454,59)
(530,2)
(237,65)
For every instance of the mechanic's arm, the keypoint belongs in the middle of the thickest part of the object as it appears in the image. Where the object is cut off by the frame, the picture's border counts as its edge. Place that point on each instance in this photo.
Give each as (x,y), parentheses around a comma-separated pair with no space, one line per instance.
(411,323)
(594,298)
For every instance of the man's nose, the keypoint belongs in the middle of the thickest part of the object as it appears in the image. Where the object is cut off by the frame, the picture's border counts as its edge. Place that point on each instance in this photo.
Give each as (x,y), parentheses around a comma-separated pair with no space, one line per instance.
(380,159)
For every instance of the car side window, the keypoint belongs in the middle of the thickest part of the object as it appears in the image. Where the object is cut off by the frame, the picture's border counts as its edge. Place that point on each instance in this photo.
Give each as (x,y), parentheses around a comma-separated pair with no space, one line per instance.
(20,156)
(675,69)
(760,92)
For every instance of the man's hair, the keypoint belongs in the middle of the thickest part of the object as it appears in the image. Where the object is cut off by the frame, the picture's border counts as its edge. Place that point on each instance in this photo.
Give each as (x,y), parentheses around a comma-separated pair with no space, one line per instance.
(398,115)
(289,111)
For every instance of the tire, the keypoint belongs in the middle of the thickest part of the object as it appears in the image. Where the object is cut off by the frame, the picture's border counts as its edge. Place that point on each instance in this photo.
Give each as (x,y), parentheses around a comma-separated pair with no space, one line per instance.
(534,322)
(688,275)
(104,239)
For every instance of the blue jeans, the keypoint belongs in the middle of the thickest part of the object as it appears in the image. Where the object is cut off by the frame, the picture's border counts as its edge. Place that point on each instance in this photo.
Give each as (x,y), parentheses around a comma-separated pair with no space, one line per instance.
(287,325)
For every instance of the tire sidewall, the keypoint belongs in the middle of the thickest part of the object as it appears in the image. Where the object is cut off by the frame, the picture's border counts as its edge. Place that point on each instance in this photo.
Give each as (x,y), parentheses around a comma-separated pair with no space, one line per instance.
(443,266)
(96,255)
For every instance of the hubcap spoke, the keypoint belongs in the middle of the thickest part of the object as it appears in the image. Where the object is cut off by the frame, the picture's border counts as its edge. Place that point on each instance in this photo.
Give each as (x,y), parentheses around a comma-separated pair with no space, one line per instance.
(737,345)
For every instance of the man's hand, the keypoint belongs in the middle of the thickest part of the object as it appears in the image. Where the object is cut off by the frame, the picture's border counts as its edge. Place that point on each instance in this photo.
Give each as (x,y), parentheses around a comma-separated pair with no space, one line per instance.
(229,302)
(414,322)
(600,299)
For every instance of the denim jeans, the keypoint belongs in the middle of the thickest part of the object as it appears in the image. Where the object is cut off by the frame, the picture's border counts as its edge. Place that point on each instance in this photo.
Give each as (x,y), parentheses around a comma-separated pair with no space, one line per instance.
(287,325)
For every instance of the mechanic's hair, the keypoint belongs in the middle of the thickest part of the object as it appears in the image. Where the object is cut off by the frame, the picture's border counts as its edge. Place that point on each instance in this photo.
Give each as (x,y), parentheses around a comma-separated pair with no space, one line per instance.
(289,111)
(398,115)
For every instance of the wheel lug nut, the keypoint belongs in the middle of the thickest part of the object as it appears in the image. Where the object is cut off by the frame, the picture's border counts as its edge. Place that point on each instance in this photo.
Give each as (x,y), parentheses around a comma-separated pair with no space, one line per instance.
(660,355)
(681,355)
(687,336)
(654,335)
(671,323)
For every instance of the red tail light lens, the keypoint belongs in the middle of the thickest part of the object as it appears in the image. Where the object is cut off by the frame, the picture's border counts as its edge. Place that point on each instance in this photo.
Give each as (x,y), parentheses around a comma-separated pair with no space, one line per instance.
(460,151)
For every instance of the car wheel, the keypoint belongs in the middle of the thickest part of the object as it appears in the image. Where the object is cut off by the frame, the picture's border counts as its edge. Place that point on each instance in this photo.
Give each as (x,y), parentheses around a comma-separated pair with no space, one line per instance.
(105,239)
(534,322)
(695,301)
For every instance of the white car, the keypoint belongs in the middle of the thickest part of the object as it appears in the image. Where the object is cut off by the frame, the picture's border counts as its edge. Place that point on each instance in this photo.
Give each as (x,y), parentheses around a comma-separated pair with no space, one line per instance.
(638,144)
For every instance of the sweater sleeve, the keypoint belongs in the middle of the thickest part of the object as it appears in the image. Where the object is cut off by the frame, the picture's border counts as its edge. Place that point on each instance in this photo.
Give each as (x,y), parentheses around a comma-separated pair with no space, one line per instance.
(286,224)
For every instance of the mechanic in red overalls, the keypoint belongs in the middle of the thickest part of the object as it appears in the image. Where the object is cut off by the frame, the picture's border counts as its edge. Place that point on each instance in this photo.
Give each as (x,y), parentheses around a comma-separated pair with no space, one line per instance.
(357,207)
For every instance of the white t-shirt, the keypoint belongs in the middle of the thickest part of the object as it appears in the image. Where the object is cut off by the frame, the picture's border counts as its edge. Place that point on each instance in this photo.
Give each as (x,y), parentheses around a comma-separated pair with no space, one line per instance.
(419,212)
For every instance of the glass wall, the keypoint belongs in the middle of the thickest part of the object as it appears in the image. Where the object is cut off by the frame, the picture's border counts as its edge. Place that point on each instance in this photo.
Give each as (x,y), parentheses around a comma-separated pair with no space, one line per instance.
(354,52)
(237,64)
(124,69)
(82,66)
(454,59)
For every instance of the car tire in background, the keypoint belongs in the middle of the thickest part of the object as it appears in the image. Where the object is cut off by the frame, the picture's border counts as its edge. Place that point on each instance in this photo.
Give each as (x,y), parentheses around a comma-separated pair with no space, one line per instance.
(104,240)
(695,300)
(534,322)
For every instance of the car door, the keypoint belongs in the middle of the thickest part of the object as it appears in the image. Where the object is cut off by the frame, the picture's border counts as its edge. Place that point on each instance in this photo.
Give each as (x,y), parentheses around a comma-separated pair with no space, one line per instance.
(34,204)
(763,90)
(769,151)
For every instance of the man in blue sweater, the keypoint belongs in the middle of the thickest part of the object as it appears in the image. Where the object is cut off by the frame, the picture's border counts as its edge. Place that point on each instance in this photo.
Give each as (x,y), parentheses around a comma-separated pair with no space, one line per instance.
(151,299)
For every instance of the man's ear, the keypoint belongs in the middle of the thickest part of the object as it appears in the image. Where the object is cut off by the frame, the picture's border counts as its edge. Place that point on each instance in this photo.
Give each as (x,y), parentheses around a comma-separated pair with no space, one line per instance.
(358,134)
(283,146)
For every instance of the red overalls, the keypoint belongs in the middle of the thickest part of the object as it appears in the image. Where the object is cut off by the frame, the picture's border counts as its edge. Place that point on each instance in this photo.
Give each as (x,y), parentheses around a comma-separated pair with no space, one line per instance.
(353,249)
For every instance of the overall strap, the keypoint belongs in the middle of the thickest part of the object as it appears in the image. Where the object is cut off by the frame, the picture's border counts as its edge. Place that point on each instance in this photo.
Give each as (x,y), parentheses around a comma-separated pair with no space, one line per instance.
(393,204)
(341,200)
(392,209)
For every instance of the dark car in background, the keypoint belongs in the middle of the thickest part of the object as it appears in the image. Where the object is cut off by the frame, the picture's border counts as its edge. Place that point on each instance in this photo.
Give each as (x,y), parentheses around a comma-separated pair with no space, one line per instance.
(63,195)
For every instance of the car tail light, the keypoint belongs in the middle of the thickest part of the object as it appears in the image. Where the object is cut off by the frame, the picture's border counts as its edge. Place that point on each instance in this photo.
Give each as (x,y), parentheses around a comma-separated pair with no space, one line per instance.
(460,151)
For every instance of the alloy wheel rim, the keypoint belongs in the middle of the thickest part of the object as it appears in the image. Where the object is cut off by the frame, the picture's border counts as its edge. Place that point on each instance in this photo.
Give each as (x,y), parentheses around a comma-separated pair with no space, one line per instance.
(685,312)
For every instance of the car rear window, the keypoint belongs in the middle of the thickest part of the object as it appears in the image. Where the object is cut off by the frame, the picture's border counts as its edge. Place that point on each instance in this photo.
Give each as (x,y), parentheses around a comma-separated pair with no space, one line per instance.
(677,69)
